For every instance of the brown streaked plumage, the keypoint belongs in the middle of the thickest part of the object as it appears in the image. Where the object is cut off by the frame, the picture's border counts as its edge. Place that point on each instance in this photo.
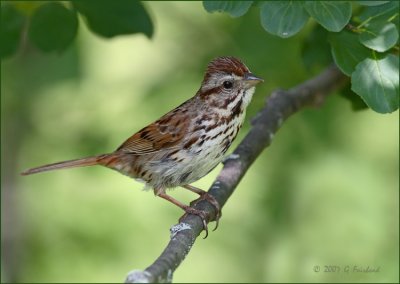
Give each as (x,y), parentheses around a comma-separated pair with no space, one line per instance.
(186,143)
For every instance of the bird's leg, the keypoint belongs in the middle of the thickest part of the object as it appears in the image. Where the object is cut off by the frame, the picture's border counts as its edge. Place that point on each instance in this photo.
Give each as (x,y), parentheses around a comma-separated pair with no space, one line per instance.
(186,208)
(205,195)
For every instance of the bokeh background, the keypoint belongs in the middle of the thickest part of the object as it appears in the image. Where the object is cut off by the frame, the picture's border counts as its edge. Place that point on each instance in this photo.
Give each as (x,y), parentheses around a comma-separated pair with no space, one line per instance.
(325,193)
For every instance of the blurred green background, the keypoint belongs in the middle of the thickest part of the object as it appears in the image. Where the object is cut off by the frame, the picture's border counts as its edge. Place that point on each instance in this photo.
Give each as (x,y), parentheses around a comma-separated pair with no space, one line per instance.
(324,193)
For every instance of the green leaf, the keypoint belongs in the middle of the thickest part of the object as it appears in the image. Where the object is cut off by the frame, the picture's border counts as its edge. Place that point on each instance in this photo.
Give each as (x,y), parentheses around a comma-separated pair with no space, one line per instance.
(372,3)
(381,12)
(347,51)
(316,50)
(332,15)
(380,36)
(283,18)
(377,82)
(233,8)
(257,4)
(10,30)
(357,103)
(111,18)
(53,27)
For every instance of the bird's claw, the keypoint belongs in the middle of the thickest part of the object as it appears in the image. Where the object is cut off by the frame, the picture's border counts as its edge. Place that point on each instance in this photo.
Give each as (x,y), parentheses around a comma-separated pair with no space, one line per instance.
(202,214)
(214,202)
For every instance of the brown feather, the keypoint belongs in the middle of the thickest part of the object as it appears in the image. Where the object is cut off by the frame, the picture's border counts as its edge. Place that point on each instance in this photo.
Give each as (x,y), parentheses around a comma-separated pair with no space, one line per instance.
(84,162)
(165,133)
(227,64)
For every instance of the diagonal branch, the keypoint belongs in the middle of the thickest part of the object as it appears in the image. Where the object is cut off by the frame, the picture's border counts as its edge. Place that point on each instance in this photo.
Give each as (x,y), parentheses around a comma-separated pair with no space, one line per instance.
(279,106)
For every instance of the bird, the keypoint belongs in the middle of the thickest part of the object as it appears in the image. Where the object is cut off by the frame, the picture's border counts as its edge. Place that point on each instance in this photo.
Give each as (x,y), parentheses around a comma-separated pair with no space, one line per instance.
(186,143)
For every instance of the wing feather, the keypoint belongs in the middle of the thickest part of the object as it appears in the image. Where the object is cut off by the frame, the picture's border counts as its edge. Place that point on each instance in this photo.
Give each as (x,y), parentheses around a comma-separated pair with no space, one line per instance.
(165,133)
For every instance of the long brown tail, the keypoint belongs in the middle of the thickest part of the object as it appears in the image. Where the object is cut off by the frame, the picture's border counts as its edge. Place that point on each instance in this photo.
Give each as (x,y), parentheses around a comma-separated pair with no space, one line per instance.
(90,161)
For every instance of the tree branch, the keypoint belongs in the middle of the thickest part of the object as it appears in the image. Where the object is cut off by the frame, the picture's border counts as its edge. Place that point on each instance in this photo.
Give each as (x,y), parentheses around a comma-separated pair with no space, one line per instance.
(279,106)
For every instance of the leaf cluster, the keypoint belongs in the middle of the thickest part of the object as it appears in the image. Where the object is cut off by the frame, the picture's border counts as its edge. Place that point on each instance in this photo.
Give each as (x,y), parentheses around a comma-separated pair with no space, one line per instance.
(52,26)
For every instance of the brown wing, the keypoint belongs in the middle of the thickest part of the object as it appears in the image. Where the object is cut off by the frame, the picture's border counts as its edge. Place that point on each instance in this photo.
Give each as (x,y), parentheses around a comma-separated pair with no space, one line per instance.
(166,132)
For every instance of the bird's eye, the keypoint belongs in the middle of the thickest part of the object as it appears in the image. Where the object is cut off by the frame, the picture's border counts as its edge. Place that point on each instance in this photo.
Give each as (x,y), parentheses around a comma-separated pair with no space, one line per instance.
(228,84)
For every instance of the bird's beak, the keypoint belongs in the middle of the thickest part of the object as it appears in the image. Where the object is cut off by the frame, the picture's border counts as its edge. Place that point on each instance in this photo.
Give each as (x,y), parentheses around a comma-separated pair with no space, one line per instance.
(252,79)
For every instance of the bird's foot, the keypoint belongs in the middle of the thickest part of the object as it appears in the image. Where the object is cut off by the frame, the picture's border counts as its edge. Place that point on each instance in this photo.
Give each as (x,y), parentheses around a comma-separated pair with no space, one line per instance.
(202,214)
(204,195)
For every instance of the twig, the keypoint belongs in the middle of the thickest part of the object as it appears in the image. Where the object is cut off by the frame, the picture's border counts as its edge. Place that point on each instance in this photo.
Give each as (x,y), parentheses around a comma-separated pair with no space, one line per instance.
(279,106)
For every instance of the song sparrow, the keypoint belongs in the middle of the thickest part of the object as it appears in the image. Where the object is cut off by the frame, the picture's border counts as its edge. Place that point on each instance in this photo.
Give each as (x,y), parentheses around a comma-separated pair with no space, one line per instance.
(186,143)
